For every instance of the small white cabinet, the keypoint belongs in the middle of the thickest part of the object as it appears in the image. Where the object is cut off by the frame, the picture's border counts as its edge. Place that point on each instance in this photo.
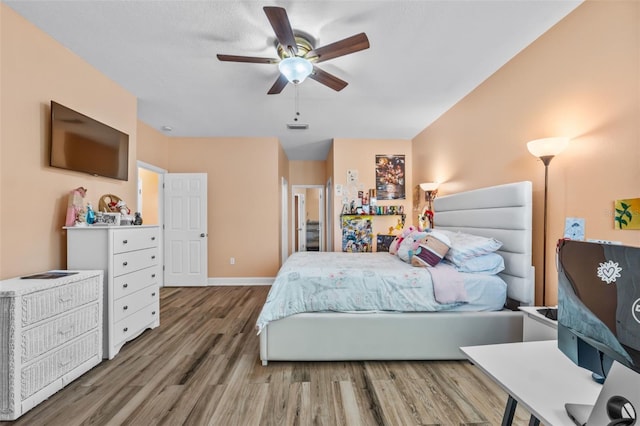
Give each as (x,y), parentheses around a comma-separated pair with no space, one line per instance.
(536,326)
(130,259)
(50,334)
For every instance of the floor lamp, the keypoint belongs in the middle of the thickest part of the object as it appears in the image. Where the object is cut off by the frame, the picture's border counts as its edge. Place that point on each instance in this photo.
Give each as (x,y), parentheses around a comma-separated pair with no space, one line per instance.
(545,149)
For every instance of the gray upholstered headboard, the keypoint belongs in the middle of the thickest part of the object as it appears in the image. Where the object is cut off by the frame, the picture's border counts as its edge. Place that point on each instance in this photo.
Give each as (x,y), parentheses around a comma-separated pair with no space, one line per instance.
(503,212)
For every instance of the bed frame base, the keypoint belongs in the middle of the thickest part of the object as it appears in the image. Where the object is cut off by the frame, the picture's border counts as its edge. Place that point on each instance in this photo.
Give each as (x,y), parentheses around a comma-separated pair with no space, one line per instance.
(393,336)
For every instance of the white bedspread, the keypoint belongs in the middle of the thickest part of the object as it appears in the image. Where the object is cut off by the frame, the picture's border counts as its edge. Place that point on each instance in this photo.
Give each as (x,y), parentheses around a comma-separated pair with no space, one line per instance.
(350,282)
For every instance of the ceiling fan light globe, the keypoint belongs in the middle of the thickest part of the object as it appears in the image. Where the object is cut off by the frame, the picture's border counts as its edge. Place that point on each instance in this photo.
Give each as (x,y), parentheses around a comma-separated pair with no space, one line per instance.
(295,69)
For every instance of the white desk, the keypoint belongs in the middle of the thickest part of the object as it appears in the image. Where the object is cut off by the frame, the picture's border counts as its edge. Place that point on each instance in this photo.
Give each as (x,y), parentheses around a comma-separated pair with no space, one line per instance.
(538,376)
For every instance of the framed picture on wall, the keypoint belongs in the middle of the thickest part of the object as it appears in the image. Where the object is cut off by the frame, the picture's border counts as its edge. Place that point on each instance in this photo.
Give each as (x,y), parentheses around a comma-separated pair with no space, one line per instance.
(390,177)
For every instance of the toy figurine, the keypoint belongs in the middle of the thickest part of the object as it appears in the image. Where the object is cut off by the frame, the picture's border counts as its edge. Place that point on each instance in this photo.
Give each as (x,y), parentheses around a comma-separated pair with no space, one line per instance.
(75,207)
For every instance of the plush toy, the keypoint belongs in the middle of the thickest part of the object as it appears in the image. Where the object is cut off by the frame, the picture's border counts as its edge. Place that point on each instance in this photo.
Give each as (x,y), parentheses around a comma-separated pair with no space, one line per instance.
(431,249)
(410,244)
(121,206)
(425,219)
(393,247)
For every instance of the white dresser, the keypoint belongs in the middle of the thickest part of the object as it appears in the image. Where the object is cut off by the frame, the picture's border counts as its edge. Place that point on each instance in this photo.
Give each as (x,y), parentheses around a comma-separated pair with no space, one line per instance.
(50,334)
(130,259)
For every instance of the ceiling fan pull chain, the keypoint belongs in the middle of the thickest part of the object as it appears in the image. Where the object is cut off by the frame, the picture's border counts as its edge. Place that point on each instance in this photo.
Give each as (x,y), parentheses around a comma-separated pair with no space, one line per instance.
(297,103)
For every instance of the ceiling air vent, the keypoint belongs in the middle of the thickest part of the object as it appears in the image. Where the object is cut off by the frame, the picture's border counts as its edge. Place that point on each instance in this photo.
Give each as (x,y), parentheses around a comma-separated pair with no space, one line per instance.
(297,126)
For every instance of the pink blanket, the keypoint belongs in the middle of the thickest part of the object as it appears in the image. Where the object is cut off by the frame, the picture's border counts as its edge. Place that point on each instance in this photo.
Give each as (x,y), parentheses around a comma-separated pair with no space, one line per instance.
(448,286)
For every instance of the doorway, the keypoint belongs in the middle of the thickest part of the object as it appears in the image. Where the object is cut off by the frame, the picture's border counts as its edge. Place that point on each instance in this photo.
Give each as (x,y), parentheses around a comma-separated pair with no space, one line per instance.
(150,202)
(183,256)
(308,218)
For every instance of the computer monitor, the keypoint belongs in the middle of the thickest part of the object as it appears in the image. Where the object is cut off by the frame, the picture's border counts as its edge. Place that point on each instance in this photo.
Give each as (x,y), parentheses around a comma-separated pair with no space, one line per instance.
(599,310)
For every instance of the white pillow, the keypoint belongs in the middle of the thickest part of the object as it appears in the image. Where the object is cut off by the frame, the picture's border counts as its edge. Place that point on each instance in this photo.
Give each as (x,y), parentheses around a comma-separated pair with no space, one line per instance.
(488,264)
(465,246)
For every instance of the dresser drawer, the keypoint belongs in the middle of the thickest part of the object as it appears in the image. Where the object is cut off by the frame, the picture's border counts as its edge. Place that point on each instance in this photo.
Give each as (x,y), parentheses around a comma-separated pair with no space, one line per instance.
(42,338)
(59,362)
(47,303)
(124,263)
(135,281)
(131,304)
(135,323)
(134,239)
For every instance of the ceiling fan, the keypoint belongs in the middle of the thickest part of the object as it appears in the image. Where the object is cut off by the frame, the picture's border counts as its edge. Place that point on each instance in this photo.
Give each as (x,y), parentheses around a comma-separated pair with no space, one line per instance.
(298,56)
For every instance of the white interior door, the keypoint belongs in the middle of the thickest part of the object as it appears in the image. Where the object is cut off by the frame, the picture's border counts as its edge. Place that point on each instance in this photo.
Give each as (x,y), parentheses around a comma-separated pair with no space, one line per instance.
(301,225)
(285,221)
(185,232)
(321,208)
(329,216)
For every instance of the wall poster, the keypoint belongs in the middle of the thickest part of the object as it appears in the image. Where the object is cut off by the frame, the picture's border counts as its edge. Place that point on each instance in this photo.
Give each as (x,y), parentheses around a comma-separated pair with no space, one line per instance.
(390,179)
(627,214)
(357,233)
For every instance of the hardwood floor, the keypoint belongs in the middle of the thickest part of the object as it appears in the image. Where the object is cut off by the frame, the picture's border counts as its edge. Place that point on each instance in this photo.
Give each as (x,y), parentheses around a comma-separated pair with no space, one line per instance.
(202,367)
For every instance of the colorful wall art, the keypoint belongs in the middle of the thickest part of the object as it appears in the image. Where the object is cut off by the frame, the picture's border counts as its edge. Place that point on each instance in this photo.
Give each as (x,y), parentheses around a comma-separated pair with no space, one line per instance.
(627,214)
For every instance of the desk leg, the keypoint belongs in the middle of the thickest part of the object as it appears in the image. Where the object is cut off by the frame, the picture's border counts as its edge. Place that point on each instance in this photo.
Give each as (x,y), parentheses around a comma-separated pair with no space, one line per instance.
(509,411)
(533,421)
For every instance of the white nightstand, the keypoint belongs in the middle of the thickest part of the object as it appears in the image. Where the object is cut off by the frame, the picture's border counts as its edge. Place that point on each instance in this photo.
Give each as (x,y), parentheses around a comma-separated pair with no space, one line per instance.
(536,326)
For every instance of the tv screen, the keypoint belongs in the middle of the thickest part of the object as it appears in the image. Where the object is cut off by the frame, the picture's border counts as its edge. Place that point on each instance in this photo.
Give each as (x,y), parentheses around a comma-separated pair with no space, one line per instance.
(83,144)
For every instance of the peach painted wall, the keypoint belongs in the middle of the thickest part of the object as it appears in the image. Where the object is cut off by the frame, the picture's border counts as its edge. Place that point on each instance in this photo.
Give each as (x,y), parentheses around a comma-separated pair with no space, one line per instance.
(150,196)
(308,172)
(243,189)
(360,155)
(153,146)
(35,69)
(580,79)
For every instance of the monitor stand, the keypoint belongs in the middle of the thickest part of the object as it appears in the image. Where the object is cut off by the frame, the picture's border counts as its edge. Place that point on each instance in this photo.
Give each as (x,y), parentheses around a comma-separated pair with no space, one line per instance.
(579,413)
(617,404)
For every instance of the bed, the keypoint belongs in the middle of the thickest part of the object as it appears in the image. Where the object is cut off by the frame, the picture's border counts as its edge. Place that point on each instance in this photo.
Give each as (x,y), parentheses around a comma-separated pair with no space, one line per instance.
(503,212)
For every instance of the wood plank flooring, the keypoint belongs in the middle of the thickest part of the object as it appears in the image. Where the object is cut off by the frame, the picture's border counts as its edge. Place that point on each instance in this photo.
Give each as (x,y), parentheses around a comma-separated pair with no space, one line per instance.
(202,367)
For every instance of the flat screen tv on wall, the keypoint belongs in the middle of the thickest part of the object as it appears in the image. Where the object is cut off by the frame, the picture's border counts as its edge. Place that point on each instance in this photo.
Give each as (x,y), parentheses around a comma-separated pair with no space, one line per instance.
(83,144)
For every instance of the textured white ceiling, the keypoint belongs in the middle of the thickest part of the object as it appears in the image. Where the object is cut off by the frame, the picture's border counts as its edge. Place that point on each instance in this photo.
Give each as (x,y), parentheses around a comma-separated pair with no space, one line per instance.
(424,57)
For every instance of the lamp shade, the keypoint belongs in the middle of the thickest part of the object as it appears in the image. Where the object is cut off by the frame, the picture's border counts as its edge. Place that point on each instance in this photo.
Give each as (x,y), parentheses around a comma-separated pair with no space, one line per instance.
(295,69)
(547,147)
(429,186)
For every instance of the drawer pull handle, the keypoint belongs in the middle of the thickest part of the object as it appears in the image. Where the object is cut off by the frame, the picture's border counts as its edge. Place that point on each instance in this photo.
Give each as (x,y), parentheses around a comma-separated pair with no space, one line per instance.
(124,241)
(153,257)
(125,307)
(153,275)
(125,329)
(67,331)
(153,238)
(62,363)
(66,298)
(153,313)
(153,294)
(125,285)
(124,263)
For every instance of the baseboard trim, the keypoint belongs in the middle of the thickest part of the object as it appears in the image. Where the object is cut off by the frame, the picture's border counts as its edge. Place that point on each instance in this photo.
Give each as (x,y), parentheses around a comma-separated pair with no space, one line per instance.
(229,281)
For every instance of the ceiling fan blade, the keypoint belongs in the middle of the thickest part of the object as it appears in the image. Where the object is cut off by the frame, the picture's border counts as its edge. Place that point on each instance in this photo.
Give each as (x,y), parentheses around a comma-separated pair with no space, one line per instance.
(279,21)
(278,86)
(327,79)
(251,59)
(340,48)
